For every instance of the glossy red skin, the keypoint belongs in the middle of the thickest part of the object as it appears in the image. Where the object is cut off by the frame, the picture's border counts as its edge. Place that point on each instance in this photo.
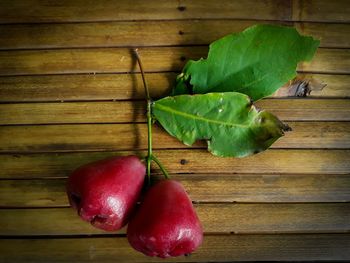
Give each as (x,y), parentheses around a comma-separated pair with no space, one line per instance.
(166,224)
(108,190)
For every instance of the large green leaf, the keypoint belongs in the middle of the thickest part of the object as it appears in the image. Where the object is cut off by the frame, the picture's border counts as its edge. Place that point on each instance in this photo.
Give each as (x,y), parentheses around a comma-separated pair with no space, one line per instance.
(228,121)
(255,62)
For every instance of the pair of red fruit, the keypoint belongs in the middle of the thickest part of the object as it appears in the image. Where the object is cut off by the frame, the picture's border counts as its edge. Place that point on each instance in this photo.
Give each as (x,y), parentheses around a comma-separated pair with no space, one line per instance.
(105,193)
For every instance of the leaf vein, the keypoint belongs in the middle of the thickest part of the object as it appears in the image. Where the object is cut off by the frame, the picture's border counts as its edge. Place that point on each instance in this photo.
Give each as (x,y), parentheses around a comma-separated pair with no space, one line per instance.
(194,117)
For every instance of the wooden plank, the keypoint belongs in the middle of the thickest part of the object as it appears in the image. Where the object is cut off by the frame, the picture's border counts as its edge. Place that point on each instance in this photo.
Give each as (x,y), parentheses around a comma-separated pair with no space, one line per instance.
(87,112)
(106,60)
(220,248)
(336,86)
(121,34)
(307,109)
(321,10)
(126,111)
(329,34)
(328,61)
(316,135)
(129,86)
(150,33)
(185,161)
(236,218)
(95,87)
(116,137)
(33,193)
(155,59)
(35,11)
(201,188)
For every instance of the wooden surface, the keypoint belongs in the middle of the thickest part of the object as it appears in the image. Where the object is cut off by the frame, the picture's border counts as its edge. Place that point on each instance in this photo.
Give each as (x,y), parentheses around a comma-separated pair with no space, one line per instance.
(70,93)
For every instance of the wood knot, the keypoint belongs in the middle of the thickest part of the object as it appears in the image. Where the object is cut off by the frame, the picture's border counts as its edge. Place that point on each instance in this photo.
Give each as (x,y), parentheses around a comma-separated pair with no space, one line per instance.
(183,161)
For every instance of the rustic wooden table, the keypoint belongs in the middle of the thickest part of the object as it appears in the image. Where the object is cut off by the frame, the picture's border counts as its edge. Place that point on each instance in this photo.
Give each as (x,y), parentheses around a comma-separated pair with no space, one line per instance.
(70,93)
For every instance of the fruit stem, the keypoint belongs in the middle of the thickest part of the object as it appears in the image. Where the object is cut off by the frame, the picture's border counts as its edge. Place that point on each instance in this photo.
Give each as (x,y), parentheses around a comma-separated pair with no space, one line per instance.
(162,168)
(148,98)
(150,155)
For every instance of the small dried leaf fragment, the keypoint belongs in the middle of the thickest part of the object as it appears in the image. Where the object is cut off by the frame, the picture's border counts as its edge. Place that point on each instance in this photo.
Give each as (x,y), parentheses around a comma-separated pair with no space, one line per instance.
(303,86)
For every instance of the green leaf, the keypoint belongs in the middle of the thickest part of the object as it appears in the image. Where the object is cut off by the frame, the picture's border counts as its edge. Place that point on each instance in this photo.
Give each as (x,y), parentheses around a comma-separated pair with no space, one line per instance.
(255,62)
(228,121)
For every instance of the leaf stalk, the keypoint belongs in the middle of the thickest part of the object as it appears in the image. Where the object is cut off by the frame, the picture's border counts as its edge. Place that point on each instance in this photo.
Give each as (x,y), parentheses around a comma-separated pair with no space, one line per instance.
(150,155)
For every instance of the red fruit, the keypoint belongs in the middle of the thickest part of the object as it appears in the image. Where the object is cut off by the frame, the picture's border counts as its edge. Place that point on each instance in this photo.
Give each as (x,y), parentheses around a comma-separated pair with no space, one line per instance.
(166,223)
(105,192)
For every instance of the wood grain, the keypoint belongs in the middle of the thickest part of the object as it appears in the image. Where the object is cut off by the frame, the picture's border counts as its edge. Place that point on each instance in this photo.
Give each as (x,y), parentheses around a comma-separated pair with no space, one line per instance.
(321,10)
(155,59)
(185,161)
(78,87)
(329,34)
(150,33)
(63,105)
(222,248)
(126,111)
(129,86)
(328,61)
(116,137)
(236,218)
(272,188)
(118,34)
(336,86)
(307,109)
(35,11)
(95,60)
(87,112)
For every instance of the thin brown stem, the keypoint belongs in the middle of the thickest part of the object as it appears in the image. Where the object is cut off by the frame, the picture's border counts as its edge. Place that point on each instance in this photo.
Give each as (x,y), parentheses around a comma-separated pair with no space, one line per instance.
(143,75)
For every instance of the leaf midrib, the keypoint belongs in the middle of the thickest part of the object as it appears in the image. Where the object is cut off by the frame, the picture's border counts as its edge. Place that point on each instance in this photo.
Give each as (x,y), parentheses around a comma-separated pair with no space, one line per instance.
(195,117)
